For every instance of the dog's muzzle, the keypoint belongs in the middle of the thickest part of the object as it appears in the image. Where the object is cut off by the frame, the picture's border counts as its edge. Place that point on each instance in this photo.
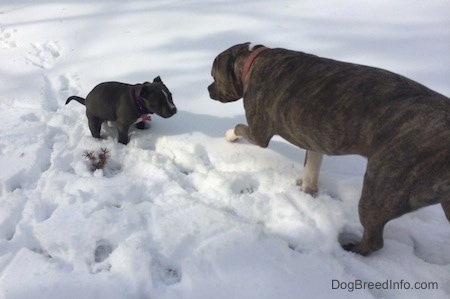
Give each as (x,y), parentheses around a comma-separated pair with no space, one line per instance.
(169,111)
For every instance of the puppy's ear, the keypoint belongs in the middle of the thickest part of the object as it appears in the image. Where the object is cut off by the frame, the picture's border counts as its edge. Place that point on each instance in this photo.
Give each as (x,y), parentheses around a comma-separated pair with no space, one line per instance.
(157,79)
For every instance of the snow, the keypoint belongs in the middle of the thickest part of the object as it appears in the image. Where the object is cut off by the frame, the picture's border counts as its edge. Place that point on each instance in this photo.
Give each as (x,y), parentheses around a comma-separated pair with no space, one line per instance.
(180,212)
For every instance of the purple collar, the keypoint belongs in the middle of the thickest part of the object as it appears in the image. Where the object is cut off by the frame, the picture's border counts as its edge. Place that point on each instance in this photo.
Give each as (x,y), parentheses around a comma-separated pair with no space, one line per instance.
(137,99)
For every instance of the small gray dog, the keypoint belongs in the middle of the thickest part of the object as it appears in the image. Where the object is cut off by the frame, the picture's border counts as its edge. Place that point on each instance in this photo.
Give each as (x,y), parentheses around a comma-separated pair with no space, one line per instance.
(126,104)
(336,108)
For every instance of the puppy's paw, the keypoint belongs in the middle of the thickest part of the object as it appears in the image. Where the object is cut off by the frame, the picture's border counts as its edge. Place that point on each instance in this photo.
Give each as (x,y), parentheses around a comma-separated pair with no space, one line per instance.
(142,125)
(230,136)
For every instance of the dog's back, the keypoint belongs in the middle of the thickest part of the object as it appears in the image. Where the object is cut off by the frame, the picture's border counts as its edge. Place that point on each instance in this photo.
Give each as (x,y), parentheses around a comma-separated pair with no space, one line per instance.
(107,98)
(358,105)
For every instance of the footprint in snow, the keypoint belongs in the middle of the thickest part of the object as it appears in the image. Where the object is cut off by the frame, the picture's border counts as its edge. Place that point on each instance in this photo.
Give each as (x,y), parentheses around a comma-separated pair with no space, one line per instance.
(348,237)
(102,251)
(69,84)
(244,185)
(44,55)
(164,272)
(6,38)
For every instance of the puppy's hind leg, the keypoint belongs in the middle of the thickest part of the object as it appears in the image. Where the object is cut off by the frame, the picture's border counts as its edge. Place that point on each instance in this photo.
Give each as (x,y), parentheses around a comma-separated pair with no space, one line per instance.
(95,125)
(311,169)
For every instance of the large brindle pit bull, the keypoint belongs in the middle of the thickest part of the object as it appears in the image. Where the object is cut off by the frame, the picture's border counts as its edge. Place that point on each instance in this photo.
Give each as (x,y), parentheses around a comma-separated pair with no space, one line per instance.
(336,108)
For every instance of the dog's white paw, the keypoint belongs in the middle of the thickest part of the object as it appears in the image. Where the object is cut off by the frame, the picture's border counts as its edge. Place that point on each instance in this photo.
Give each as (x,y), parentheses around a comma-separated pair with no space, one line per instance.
(230,136)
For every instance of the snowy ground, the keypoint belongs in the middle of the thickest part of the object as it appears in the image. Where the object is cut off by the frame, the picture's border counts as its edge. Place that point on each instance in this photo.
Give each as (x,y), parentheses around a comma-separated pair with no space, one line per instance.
(180,213)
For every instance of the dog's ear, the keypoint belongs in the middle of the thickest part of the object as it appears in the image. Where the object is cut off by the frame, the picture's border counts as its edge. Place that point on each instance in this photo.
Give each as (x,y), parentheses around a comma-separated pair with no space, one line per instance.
(157,80)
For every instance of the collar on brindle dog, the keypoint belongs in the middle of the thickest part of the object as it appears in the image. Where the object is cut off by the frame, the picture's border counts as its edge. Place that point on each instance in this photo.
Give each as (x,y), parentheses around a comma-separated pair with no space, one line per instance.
(249,61)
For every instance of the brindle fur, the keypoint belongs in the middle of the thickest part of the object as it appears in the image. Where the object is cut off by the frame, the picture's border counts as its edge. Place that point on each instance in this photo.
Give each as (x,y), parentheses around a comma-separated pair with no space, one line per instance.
(335,108)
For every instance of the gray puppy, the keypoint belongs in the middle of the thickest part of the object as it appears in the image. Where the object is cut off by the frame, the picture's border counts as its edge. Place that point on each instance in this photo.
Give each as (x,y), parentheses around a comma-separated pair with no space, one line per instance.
(336,108)
(126,104)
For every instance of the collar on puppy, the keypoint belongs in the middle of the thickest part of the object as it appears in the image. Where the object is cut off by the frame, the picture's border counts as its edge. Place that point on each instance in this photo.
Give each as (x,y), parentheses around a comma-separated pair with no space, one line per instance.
(249,61)
(141,108)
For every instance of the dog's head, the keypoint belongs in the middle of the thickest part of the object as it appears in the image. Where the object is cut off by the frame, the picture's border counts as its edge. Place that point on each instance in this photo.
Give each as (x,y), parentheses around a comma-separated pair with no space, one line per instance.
(227,71)
(157,98)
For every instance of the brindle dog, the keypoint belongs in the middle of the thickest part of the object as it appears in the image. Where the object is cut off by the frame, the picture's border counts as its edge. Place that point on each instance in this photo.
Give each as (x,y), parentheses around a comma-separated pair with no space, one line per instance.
(336,108)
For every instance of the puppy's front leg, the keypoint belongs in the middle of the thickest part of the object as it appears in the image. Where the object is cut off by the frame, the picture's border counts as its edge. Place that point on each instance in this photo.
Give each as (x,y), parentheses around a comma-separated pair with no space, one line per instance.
(245,132)
(311,169)
(122,129)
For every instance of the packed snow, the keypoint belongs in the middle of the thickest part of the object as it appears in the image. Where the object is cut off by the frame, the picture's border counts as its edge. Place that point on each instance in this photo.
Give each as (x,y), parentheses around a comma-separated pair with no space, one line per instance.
(179,212)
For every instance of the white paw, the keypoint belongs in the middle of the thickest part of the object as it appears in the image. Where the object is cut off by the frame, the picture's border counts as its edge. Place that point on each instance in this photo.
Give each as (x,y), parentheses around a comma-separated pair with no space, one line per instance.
(230,136)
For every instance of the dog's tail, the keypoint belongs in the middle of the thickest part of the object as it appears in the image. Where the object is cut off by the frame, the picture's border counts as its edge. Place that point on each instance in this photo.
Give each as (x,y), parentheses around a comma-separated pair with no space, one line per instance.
(76,98)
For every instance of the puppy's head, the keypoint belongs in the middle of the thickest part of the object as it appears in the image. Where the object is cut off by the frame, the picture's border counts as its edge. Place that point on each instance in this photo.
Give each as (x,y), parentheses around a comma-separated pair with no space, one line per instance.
(157,98)
(226,72)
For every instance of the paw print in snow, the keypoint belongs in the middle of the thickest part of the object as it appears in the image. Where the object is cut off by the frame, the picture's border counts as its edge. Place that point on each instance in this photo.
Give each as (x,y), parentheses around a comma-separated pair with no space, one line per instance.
(44,55)
(69,84)
(6,38)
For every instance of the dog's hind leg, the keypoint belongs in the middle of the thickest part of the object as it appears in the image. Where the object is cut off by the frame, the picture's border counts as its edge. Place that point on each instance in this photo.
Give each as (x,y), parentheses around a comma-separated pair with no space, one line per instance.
(380,202)
(311,169)
(446,206)
(373,217)
(95,125)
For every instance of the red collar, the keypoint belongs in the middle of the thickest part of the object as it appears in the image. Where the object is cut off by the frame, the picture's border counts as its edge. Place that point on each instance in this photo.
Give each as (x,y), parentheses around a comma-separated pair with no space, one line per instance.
(249,61)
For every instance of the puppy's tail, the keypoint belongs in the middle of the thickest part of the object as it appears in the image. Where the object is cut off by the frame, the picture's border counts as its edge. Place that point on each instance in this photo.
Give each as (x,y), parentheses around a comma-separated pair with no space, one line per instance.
(76,98)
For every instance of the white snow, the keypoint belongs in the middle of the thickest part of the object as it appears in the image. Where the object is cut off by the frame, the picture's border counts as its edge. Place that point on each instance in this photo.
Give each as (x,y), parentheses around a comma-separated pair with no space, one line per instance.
(180,212)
